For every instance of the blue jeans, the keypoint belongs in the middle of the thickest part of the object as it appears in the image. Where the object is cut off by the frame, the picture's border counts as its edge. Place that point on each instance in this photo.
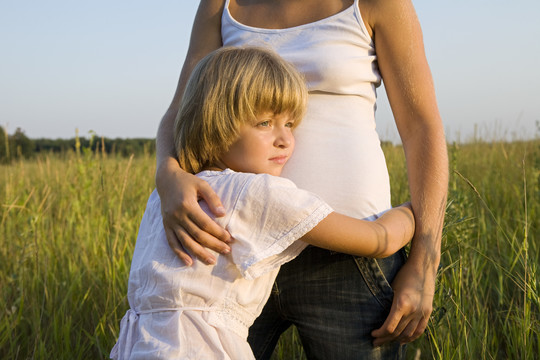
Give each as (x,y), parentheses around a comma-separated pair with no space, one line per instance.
(335,301)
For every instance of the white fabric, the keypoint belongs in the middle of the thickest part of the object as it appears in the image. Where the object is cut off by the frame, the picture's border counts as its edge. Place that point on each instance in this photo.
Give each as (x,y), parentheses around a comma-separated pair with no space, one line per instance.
(204,312)
(338,154)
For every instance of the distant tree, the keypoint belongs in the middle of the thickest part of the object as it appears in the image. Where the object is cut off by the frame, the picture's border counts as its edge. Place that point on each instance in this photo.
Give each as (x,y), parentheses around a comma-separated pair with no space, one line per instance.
(20,144)
(4,150)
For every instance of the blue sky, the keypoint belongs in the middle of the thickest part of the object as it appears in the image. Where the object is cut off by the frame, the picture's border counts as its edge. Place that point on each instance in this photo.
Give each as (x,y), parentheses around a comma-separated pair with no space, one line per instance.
(112,66)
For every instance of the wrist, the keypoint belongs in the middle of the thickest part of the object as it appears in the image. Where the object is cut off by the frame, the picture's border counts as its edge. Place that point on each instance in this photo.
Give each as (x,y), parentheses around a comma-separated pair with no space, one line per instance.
(167,163)
(165,169)
(425,259)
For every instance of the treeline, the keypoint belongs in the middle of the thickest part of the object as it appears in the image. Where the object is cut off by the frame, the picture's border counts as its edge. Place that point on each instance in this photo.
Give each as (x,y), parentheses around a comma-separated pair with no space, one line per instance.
(18,145)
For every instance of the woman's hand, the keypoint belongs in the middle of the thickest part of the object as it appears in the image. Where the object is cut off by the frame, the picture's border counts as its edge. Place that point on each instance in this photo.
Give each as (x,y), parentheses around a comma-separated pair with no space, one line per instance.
(411,308)
(188,228)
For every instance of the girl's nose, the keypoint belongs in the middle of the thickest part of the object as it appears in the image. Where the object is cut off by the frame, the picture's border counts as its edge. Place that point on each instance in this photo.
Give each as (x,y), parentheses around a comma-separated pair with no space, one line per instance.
(284,138)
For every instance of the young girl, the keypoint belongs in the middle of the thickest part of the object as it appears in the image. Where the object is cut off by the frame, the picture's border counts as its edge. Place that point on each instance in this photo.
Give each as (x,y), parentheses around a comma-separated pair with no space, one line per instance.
(234,130)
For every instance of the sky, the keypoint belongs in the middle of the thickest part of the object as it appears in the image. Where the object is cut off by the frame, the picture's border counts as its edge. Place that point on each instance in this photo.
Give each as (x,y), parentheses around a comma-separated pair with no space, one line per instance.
(111,67)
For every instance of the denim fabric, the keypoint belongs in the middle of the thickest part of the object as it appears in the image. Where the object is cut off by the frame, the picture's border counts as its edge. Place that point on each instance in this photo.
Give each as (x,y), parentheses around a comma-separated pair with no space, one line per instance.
(335,301)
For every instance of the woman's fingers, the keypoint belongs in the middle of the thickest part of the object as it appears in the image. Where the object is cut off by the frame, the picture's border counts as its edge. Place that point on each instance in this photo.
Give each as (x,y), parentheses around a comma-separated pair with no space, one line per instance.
(177,248)
(411,308)
(212,200)
(188,237)
(390,324)
(189,229)
(204,230)
(408,329)
(392,327)
(201,229)
(199,225)
(194,248)
(410,333)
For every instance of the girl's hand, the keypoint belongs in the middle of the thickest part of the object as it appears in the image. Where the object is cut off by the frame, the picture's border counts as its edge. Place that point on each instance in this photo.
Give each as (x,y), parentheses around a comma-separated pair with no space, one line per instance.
(188,228)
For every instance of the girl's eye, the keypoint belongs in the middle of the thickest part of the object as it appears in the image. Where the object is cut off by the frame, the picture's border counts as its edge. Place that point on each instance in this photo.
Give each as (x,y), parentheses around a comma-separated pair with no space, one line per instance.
(264,123)
(290,124)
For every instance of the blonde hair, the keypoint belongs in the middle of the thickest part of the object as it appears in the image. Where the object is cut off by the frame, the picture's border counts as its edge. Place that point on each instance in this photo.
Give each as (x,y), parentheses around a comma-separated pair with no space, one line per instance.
(227,88)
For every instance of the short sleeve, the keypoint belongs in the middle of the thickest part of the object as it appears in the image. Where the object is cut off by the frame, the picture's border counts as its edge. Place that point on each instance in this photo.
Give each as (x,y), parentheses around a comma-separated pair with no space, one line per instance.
(268,218)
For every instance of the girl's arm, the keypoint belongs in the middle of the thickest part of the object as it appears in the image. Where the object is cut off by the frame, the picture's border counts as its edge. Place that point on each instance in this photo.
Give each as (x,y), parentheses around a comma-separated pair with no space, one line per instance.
(378,239)
(187,226)
(408,82)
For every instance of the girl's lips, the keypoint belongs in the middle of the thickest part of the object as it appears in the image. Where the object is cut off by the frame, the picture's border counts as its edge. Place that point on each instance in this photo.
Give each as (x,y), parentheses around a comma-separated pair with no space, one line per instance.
(279,159)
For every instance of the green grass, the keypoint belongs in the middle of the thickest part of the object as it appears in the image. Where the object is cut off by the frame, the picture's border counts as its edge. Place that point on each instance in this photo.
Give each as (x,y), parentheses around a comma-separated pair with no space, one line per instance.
(68,226)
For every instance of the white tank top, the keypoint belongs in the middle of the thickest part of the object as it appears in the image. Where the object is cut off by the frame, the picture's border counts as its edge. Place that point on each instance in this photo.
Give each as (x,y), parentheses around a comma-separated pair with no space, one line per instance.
(338,154)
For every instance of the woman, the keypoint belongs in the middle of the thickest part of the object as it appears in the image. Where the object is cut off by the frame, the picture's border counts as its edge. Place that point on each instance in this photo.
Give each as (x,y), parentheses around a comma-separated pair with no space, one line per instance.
(344,48)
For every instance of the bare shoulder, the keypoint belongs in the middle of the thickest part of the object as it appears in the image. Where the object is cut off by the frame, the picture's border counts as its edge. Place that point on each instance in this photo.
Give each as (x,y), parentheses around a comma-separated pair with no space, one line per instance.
(205,37)
(385,13)
(206,31)
(210,10)
(211,5)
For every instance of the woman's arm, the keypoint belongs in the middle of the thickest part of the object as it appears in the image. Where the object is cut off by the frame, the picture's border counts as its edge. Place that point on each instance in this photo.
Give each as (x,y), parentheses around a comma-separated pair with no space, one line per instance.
(187,226)
(408,82)
(378,239)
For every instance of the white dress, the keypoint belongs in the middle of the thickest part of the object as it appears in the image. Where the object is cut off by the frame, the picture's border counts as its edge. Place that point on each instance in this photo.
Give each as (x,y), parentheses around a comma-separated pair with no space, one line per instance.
(337,154)
(204,311)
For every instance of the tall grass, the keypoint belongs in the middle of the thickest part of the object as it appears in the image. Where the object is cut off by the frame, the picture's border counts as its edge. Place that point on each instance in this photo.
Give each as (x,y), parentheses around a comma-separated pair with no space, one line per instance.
(68,226)
(489,280)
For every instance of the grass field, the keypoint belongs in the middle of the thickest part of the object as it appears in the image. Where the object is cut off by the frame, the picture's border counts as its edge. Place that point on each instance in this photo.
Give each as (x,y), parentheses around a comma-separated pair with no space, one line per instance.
(68,226)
